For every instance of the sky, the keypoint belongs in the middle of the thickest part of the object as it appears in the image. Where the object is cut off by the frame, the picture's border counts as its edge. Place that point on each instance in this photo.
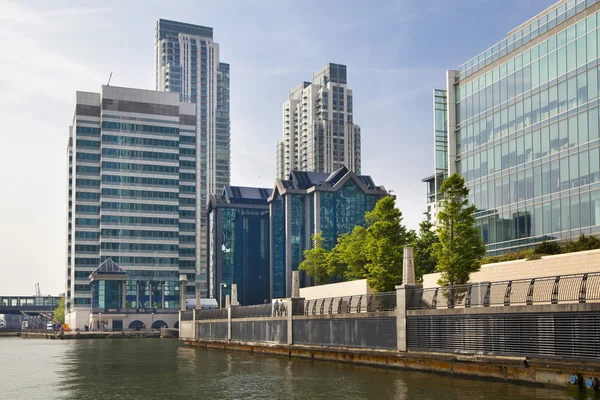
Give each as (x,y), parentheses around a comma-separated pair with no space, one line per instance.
(397,52)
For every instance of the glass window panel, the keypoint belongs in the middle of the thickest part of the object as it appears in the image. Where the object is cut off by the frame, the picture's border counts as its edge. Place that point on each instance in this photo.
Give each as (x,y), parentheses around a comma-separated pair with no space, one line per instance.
(537,229)
(545,138)
(513,188)
(571,56)
(584,209)
(573,131)
(582,125)
(529,183)
(594,165)
(563,134)
(512,145)
(582,89)
(556,216)
(544,104)
(547,217)
(595,207)
(575,214)
(564,173)
(572,93)
(535,74)
(574,170)
(593,123)
(552,66)
(561,56)
(537,181)
(565,215)
(538,147)
(581,51)
(554,177)
(543,70)
(584,168)
(592,83)
(497,158)
(562,97)
(528,147)
(592,48)
(553,100)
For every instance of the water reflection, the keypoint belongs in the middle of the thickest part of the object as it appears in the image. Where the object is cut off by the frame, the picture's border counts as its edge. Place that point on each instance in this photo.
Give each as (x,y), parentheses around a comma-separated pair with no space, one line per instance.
(160,369)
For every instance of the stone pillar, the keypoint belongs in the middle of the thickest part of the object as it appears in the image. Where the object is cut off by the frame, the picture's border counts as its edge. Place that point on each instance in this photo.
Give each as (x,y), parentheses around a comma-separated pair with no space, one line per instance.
(234,296)
(403,295)
(193,324)
(150,283)
(290,313)
(182,288)
(408,267)
(228,318)
(227,301)
(295,284)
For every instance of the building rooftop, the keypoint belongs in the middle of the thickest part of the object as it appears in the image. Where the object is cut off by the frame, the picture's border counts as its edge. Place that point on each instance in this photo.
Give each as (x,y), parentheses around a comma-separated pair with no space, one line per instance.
(108,267)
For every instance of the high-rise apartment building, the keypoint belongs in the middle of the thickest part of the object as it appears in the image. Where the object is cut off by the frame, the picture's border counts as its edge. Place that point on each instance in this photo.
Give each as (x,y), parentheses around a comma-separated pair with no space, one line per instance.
(520,123)
(132,198)
(319,133)
(187,63)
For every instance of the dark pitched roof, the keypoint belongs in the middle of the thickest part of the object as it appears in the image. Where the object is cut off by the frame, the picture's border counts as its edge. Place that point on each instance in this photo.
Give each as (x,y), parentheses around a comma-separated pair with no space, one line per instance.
(242,195)
(108,267)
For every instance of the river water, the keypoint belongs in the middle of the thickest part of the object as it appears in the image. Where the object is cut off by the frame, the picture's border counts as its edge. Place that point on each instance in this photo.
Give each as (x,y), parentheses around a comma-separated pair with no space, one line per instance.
(163,369)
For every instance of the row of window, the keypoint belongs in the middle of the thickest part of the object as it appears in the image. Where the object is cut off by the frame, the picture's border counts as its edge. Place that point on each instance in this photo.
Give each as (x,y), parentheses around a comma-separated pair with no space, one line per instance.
(82,182)
(84,169)
(87,131)
(85,209)
(139,234)
(124,220)
(567,95)
(128,127)
(145,247)
(150,155)
(146,194)
(163,169)
(87,196)
(552,177)
(87,157)
(556,138)
(87,144)
(137,141)
(87,235)
(161,208)
(138,180)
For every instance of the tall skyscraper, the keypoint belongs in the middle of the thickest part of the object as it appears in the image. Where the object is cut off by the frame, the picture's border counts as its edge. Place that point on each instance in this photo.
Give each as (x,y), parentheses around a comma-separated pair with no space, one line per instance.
(319,134)
(520,123)
(187,62)
(132,199)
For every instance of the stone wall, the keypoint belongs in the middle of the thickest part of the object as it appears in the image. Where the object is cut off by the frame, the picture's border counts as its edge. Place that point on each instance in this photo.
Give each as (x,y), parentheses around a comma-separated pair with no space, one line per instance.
(561,264)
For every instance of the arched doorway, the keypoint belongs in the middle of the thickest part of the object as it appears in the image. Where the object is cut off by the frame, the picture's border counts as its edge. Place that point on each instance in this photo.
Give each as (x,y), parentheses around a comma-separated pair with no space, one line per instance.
(159,324)
(176,326)
(136,325)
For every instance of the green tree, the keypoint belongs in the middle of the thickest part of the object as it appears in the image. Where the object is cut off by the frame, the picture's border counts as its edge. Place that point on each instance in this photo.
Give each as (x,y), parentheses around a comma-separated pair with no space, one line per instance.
(425,261)
(460,245)
(316,261)
(347,258)
(383,245)
(59,311)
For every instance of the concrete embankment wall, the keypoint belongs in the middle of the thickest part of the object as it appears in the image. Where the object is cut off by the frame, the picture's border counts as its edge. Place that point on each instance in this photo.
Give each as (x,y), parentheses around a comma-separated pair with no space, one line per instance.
(552,372)
(560,264)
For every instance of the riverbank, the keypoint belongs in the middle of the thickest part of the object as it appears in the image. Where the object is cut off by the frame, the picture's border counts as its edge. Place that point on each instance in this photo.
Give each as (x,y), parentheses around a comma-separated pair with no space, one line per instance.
(548,372)
(88,335)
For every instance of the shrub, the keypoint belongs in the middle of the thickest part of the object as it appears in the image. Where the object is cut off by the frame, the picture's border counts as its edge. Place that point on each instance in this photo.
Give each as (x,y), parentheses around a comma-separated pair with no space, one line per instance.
(547,248)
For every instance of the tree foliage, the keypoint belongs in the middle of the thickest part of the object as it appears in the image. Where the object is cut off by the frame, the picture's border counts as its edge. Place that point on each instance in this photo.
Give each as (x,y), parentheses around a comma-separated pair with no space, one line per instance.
(373,252)
(316,261)
(59,311)
(425,260)
(460,245)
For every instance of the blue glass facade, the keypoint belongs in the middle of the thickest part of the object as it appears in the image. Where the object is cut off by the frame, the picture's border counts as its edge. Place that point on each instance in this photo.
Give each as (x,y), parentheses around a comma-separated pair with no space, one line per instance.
(238,243)
(525,131)
(312,202)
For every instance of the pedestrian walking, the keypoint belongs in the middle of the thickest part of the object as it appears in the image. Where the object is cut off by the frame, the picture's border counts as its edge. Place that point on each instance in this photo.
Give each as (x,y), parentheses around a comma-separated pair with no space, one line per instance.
(276,308)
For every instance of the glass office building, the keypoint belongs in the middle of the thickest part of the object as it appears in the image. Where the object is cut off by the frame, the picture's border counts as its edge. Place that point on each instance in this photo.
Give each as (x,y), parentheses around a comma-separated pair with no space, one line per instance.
(308,203)
(520,123)
(187,62)
(238,244)
(132,198)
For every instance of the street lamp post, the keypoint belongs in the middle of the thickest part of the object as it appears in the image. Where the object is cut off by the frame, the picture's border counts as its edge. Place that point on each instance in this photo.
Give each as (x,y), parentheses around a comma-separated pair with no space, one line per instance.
(152,321)
(221,286)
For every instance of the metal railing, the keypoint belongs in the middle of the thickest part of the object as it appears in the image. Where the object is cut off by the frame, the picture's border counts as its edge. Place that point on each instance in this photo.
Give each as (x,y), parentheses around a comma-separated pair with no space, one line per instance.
(211,314)
(260,310)
(384,301)
(576,288)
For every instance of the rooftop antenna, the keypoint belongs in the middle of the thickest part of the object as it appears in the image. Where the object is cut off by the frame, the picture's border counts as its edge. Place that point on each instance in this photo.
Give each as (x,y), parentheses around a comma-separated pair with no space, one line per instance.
(108,84)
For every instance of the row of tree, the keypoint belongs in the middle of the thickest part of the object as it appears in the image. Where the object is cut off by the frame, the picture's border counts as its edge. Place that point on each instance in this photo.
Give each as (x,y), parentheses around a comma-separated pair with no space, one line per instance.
(375,250)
